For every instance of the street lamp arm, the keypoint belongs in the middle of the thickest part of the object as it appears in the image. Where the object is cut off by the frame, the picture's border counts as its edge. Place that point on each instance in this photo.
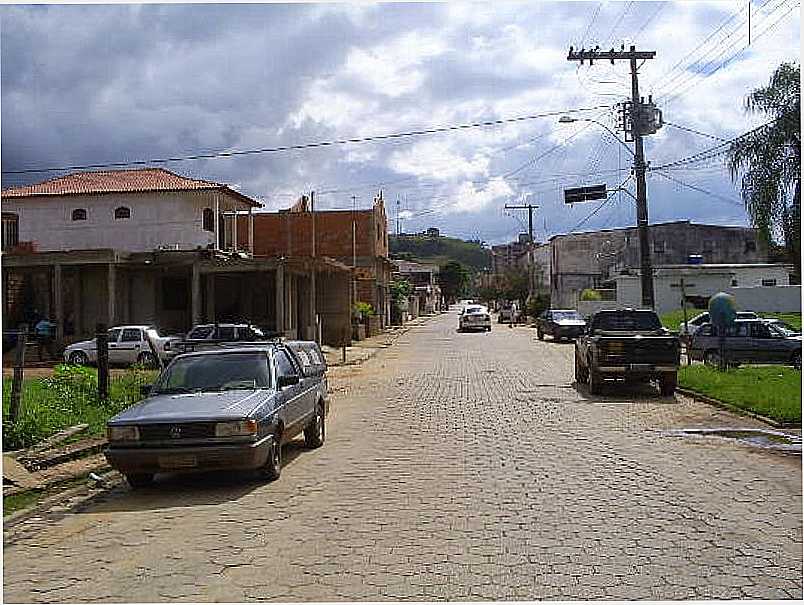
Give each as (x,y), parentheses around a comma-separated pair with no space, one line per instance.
(569,120)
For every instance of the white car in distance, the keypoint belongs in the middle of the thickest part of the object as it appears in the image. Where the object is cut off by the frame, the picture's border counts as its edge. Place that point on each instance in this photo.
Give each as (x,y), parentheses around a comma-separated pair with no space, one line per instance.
(127,345)
(474,317)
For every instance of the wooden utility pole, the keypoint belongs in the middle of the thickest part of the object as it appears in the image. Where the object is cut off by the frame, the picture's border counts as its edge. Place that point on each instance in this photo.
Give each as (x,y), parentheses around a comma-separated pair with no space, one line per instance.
(640,126)
(530,208)
(102,348)
(17,380)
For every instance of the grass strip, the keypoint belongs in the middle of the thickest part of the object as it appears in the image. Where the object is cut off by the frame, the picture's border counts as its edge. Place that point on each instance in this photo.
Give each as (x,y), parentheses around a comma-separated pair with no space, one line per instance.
(770,391)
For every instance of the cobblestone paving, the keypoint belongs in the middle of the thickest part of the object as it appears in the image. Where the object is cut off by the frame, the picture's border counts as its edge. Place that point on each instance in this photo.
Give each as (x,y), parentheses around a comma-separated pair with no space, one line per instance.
(460,467)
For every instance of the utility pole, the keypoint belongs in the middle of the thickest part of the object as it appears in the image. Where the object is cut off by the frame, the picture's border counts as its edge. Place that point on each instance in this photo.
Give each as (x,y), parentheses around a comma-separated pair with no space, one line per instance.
(354,251)
(644,119)
(530,208)
(313,309)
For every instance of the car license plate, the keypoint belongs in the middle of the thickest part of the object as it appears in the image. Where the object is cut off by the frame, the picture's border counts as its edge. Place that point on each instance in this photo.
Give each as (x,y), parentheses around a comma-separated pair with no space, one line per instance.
(178,461)
(641,367)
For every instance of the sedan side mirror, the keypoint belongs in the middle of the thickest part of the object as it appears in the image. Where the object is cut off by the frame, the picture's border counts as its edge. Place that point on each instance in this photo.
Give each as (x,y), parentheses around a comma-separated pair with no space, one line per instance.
(145,390)
(288,380)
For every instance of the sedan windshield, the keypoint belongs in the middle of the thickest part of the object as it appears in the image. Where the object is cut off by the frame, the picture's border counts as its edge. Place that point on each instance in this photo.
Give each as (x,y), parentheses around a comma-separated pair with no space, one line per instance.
(229,371)
(784,329)
(562,315)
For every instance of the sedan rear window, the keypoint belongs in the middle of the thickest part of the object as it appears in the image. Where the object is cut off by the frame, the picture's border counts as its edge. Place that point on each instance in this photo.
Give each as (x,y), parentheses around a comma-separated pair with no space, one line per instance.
(559,315)
(475,310)
(201,332)
(223,372)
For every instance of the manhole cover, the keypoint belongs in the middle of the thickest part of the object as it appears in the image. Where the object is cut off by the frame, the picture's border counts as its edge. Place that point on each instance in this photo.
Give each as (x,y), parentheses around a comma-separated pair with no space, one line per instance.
(767,439)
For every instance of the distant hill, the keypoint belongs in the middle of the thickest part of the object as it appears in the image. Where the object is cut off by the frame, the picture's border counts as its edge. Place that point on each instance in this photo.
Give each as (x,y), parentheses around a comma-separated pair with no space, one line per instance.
(439,250)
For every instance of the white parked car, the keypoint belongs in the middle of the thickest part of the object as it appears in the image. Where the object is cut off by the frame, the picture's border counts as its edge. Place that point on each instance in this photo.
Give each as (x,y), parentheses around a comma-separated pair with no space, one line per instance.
(127,345)
(691,326)
(474,317)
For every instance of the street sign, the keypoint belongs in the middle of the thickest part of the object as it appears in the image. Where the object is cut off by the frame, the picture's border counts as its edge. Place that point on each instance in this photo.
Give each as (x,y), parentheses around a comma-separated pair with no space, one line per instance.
(584,194)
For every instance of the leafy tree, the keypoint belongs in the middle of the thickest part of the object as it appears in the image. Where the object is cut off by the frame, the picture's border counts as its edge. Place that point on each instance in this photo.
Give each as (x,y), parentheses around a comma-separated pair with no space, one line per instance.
(590,294)
(768,161)
(453,279)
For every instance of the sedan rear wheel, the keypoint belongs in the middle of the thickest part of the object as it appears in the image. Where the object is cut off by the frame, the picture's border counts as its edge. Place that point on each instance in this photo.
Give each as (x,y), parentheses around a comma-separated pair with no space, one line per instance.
(797,360)
(78,358)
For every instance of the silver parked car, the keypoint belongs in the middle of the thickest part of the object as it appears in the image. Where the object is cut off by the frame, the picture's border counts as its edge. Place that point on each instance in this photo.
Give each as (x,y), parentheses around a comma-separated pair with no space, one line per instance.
(127,345)
(691,326)
(747,341)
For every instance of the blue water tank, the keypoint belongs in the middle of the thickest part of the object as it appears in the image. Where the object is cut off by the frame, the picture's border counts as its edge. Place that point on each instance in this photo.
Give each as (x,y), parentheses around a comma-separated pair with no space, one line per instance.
(695,259)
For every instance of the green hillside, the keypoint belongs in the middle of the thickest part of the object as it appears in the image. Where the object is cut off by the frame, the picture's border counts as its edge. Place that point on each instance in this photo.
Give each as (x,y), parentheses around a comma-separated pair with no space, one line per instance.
(439,250)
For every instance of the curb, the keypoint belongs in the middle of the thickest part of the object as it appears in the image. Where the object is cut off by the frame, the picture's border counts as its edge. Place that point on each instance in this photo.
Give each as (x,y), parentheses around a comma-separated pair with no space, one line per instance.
(83,491)
(736,409)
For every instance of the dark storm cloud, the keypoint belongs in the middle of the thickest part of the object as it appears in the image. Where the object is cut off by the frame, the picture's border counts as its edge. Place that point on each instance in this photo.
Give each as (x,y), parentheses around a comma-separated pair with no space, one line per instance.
(89,84)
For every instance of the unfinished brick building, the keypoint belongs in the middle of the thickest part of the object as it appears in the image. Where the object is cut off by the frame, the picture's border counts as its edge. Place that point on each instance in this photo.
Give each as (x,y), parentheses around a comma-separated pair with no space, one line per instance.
(356,238)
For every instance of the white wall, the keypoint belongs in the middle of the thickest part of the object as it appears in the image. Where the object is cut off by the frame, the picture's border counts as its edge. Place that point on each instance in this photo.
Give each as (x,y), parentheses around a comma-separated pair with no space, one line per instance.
(768,299)
(705,282)
(157,219)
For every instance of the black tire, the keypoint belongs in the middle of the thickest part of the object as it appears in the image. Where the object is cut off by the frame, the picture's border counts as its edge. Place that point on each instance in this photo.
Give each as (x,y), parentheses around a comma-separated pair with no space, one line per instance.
(79,358)
(315,432)
(581,375)
(540,334)
(668,383)
(273,466)
(139,480)
(147,359)
(796,361)
(595,380)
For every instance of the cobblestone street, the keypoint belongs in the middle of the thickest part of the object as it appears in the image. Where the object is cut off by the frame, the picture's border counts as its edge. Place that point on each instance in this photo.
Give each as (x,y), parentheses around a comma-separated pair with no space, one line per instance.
(457,466)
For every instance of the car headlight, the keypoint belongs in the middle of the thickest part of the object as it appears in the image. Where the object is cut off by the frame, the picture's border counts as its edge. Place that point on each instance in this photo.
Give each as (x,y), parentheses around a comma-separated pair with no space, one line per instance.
(238,428)
(122,433)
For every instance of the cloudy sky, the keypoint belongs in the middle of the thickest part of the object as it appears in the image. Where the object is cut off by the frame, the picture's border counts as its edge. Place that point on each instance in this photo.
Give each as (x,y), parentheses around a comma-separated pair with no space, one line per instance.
(99,84)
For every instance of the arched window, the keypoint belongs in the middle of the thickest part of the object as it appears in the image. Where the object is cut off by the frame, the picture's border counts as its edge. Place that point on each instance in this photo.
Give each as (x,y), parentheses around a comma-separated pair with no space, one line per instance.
(122,212)
(79,214)
(208,219)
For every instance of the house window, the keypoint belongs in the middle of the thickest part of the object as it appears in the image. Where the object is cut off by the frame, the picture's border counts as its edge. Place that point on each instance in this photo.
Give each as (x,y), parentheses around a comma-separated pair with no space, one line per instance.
(11,230)
(658,247)
(122,212)
(750,245)
(768,282)
(208,219)
(79,214)
(733,283)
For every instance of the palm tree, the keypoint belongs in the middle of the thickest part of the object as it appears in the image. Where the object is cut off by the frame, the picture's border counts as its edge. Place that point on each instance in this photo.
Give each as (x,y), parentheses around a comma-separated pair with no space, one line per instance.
(768,161)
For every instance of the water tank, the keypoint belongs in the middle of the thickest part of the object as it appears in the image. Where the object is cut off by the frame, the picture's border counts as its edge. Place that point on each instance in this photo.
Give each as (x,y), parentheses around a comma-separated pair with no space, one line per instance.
(695,259)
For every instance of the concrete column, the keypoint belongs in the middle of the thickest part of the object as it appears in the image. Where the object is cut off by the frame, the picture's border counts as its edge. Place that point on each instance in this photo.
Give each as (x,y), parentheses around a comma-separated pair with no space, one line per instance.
(217,222)
(111,287)
(280,298)
(312,315)
(211,297)
(58,305)
(195,294)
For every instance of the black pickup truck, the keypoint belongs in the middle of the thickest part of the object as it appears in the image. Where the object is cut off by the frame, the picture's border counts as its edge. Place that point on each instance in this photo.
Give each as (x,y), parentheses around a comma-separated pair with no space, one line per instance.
(223,409)
(627,344)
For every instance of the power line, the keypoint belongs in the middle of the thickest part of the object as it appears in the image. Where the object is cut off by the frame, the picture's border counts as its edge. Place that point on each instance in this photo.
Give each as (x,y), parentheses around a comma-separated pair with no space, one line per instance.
(397,135)
(690,78)
(693,131)
(700,189)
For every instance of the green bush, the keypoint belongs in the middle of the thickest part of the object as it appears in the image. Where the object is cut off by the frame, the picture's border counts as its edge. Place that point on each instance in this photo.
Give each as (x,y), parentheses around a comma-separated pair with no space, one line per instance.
(67,398)
(590,294)
(363,309)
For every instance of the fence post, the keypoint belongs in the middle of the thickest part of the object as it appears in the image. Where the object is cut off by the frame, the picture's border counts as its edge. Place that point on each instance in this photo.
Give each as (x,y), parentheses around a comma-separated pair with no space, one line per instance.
(102,343)
(16,382)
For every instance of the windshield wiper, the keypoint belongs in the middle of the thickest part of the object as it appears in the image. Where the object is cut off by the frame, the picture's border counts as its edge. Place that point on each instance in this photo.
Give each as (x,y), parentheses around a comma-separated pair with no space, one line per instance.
(173,391)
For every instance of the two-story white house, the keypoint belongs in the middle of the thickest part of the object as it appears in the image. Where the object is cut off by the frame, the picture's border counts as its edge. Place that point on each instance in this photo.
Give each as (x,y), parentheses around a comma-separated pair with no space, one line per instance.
(153,247)
(127,210)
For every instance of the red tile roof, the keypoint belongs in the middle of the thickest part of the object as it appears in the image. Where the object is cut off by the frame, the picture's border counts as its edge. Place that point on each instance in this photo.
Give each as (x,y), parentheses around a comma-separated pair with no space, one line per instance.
(119,181)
